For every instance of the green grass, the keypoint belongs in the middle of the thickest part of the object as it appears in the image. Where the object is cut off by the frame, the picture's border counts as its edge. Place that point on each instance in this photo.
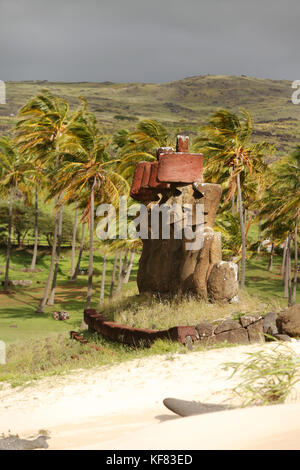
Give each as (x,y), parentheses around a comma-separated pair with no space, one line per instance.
(180,105)
(18,320)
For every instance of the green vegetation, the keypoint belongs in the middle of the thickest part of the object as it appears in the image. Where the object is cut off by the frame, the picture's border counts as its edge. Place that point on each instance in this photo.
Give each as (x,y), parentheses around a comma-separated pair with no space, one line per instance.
(19,322)
(180,105)
(267,377)
(18,319)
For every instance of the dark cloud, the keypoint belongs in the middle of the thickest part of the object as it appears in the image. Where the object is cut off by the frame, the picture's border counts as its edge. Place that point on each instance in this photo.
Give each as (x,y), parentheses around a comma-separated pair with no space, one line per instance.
(153,40)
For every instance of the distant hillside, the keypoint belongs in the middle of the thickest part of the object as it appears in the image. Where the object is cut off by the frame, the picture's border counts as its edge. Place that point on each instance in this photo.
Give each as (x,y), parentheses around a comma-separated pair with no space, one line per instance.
(180,105)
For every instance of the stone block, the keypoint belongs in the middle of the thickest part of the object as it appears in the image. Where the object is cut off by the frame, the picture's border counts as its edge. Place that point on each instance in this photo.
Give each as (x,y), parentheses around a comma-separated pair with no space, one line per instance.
(227,325)
(238,335)
(256,332)
(180,167)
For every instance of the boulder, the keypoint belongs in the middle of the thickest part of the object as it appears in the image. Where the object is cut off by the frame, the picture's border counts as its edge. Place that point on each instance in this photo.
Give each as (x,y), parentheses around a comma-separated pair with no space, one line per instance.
(256,332)
(62,315)
(269,324)
(222,283)
(283,337)
(288,321)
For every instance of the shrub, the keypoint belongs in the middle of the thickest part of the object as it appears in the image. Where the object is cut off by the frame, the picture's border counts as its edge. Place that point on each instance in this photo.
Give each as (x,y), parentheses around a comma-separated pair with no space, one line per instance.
(267,377)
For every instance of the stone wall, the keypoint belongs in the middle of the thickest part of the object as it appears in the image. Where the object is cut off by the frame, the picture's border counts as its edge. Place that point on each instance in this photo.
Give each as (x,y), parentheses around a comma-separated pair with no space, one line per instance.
(249,329)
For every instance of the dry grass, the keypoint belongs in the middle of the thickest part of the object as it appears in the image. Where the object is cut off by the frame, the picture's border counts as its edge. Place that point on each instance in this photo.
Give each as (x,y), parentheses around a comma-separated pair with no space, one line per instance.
(160,314)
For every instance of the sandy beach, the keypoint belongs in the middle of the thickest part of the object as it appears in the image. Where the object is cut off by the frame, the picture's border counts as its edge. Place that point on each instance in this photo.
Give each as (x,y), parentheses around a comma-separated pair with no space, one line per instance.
(121,406)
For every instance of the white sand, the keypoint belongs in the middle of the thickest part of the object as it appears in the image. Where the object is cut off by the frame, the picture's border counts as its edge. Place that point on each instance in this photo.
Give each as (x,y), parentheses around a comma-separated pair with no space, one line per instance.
(121,406)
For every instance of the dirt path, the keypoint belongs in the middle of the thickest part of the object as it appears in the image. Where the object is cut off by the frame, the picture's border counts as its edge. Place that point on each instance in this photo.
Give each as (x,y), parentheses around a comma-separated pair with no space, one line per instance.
(92,408)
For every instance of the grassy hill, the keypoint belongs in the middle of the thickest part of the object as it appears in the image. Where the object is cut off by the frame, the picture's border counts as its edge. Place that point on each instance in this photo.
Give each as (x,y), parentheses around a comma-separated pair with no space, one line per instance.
(180,105)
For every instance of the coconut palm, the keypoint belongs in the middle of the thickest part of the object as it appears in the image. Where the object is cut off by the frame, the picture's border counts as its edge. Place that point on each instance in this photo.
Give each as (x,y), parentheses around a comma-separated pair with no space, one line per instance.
(140,145)
(287,183)
(230,157)
(12,178)
(36,180)
(43,123)
(92,177)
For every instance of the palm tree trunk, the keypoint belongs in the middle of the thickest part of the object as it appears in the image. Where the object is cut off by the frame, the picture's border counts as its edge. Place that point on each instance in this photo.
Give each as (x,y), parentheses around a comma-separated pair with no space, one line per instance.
(91,253)
(287,269)
(232,197)
(124,267)
(259,238)
(101,300)
(36,230)
(295,261)
(43,301)
(59,237)
(74,277)
(289,279)
(111,295)
(120,276)
(242,225)
(74,243)
(8,251)
(128,272)
(271,258)
(283,258)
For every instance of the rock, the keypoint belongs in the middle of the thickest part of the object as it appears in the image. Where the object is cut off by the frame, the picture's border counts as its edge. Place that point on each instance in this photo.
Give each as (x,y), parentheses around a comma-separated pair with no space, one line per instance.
(256,332)
(247,320)
(205,329)
(269,324)
(15,443)
(222,283)
(238,335)
(63,315)
(283,337)
(189,343)
(227,325)
(288,321)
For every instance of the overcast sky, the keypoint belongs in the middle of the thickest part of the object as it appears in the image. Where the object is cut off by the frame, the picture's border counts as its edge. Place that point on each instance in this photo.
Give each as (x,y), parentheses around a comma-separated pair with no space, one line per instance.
(148,40)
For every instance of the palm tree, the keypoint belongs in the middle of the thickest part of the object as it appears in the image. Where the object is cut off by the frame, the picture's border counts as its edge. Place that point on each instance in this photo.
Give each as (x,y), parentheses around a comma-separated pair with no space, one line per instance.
(102,289)
(36,179)
(140,145)
(230,158)
(287,183)
(92,176)
(44,121)
(81,248)
(74,242)
(13,175)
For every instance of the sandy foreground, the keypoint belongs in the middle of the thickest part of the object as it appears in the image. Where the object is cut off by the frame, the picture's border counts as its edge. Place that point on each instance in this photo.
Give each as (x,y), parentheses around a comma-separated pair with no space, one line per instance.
(121,407)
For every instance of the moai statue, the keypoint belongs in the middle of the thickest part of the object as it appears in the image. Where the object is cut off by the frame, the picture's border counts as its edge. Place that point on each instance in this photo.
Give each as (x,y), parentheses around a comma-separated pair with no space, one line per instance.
(172,265)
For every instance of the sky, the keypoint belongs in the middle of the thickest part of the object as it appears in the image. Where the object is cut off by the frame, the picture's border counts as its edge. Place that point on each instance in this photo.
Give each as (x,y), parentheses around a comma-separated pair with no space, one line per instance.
(148,41)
